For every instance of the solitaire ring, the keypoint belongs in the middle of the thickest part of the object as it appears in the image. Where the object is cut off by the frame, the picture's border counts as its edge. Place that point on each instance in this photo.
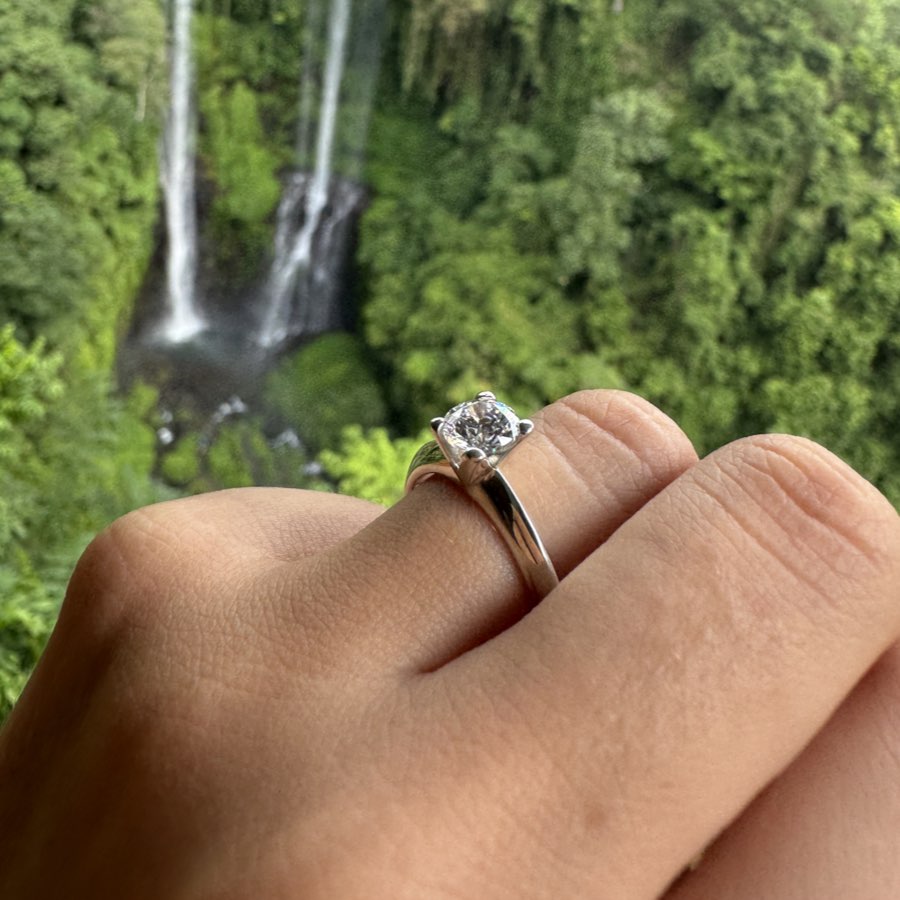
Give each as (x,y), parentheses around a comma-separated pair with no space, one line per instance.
(471,442)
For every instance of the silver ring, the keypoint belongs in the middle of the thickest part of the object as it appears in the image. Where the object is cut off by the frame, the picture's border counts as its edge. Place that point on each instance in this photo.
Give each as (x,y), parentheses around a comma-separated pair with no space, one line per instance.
(470,443)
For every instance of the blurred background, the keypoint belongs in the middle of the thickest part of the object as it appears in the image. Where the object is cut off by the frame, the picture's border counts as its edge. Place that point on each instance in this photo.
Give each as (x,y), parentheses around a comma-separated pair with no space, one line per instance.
(265,241)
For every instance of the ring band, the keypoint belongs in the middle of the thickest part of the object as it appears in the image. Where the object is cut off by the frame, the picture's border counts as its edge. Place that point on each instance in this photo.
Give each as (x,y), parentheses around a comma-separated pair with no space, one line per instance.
(470,443)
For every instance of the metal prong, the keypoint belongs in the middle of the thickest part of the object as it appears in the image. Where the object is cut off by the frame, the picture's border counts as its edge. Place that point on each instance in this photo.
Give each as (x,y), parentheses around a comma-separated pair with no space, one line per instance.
(485,395)
(436,422)
(475,467)
(526,426)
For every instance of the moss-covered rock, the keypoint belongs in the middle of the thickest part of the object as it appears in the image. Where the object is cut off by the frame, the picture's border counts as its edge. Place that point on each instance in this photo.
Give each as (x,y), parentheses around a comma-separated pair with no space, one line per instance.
(323,387)
(181,465)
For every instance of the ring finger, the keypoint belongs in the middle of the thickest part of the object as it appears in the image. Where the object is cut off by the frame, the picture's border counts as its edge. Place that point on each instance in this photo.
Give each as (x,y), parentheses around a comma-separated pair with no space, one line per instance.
(444,578)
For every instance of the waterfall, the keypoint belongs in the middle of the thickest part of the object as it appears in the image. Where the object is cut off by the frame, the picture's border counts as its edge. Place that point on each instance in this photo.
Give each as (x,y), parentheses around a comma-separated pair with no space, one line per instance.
(307,199)
(182,320)
(311,28)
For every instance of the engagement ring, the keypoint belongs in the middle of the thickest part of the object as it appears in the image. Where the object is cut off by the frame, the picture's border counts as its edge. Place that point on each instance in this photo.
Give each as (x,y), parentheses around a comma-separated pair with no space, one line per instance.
(471,442)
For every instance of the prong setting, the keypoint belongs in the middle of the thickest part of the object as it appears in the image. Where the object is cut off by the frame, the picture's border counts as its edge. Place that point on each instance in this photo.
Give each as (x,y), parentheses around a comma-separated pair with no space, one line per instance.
(475,467)
(483,424)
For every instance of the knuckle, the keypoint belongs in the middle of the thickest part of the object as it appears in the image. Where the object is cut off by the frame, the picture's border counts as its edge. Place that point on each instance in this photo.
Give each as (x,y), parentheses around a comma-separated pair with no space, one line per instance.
(100,581)
(127,570)
(596,419)
(818,512)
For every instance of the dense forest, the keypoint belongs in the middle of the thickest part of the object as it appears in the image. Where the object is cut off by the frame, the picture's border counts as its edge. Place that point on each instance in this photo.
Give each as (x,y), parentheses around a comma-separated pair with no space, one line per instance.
(698,200)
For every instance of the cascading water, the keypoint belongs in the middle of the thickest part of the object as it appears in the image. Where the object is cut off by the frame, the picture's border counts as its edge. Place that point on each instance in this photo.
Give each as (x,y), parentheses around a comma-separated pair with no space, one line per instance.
(181,320)
(315,211)
(198,354)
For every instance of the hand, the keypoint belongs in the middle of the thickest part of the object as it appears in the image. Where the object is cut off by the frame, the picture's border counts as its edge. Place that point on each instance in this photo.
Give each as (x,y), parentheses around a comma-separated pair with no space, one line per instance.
(277,694)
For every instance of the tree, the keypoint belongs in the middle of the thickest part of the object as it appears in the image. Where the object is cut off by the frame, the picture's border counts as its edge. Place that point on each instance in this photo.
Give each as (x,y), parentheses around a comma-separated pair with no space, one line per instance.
(714,224)
(79,176)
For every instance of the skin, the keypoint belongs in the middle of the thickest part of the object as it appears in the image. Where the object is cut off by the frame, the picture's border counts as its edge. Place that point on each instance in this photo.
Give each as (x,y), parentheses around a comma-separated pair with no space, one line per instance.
(272,693)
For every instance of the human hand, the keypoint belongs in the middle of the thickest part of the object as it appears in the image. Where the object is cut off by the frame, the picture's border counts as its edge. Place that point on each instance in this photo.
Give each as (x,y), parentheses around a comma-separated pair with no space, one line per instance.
(277,694)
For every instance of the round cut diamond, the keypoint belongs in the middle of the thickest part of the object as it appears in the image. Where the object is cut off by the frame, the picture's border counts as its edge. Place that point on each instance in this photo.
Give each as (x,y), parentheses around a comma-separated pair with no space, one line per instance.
(482,424)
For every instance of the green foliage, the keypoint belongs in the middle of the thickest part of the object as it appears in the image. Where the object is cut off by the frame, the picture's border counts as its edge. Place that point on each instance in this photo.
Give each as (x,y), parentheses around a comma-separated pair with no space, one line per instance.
(240,456)
(257,41)
(592,207)
(29,387)
(181,465)
(243,169)
(129,39)
(529,57)
(26,614)
(77,166)
(248,72)
(472,312)
(322,387)
(370,465)
(232,455)
(710,218)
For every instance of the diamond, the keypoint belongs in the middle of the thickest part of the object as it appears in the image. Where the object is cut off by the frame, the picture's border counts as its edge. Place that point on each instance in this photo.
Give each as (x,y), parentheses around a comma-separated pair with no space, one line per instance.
(481,424)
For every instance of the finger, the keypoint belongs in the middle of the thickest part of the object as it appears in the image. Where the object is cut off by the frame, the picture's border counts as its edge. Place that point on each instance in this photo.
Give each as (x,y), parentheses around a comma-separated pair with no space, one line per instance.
(282,524)
(431,577)
(684,664)
(182,562)
(262,524)
(195,553)
(829,826)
